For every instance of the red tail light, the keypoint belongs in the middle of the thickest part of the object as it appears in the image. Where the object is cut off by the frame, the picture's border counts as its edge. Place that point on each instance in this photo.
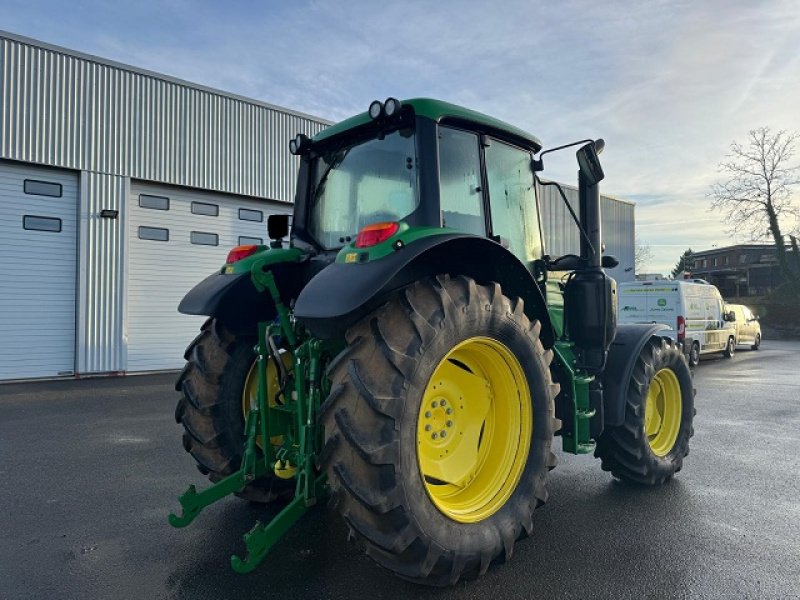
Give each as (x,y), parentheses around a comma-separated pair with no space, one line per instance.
(681,328)
(240,252)
(375,233)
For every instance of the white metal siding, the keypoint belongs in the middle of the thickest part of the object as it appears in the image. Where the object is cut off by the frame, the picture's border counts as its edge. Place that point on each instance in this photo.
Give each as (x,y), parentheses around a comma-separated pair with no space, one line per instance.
(37,281)
(65,109)
(561,235)
(160,273)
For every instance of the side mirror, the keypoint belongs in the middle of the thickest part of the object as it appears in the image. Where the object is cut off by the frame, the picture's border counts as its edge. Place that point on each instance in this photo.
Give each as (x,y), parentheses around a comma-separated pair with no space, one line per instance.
(589,162)
(277,226)
(730,316)
(609,262)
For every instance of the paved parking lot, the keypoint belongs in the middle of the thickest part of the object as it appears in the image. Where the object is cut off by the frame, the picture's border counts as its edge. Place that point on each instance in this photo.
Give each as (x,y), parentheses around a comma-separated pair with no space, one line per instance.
(90,469)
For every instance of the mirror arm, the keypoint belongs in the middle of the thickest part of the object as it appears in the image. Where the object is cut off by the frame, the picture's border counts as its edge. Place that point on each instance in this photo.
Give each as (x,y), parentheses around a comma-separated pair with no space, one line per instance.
(583,233)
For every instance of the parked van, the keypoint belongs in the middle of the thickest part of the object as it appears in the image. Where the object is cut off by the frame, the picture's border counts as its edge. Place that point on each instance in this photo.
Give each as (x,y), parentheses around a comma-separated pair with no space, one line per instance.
(692,309)
(746,325)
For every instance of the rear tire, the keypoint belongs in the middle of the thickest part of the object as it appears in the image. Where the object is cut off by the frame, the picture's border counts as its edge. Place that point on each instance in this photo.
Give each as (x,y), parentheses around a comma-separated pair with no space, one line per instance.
(757,344)
(373,417)
(730,348)
(627,451)
(210,408)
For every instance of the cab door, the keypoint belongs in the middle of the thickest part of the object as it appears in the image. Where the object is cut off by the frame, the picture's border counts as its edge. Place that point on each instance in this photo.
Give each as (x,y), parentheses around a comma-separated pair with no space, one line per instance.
(514,212)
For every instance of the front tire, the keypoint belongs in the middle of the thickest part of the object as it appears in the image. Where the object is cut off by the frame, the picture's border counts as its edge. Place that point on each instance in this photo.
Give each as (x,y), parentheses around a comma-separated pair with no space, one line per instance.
(649,447)
(694,355)
(469,345)
(212,384)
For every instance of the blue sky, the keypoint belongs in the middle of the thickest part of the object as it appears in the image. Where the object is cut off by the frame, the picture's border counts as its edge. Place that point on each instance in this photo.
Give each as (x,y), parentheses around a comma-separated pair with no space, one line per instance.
(668,85)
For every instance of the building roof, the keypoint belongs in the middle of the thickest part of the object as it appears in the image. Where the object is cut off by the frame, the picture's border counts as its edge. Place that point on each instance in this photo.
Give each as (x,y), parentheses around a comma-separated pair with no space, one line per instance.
(125,67)
(726,249)
(437,110)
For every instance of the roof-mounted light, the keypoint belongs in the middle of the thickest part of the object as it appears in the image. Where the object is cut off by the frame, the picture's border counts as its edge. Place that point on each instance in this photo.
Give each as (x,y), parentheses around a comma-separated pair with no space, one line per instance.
(299,144)
(391,107)
(375,109)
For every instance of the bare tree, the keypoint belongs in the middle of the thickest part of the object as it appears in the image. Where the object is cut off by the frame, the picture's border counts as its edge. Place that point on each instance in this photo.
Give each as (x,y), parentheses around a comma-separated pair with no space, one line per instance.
(642,255)
(756,194)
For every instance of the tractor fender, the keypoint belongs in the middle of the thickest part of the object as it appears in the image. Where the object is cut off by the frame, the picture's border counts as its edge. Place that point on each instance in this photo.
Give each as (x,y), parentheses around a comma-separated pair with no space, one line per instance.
(232,297)
(343,293)
(622,355)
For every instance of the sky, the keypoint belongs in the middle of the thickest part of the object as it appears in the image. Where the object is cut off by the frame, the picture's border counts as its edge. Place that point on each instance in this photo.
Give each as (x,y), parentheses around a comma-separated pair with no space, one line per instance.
(668,85)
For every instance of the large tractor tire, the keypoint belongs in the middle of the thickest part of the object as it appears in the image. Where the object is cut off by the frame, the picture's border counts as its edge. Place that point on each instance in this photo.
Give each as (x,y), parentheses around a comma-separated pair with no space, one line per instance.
(439,428)
(216,386)
(649,447)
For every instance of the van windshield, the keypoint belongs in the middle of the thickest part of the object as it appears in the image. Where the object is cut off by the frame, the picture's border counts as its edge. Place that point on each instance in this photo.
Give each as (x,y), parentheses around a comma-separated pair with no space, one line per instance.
(365,183)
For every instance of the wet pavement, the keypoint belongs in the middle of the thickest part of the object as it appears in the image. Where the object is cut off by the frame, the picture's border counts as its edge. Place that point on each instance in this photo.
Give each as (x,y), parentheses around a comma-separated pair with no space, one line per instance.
(90,469)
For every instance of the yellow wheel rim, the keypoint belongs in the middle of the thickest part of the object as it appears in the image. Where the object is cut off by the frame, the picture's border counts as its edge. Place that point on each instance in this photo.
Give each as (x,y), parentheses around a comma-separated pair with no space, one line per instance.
(474,429)
(250,390)
(662,414)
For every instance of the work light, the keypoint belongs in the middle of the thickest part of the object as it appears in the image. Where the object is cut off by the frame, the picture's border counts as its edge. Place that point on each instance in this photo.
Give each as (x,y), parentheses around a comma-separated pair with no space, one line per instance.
(391,107)
(375,109)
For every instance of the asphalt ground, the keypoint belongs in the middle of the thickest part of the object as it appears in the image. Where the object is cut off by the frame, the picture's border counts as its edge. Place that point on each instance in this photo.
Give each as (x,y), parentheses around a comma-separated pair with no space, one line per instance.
(90,469)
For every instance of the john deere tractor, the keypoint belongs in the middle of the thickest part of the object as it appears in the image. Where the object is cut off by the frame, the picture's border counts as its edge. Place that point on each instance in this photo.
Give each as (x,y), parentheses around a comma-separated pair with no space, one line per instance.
(412,349)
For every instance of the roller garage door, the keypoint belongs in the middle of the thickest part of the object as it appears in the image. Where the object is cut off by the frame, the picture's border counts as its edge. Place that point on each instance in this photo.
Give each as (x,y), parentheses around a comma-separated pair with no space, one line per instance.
(177,237)
(38,250)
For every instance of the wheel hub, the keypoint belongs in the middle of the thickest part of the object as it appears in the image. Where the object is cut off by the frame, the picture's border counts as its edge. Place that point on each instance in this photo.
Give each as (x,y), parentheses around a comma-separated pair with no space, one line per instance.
(474,429)
(663,409)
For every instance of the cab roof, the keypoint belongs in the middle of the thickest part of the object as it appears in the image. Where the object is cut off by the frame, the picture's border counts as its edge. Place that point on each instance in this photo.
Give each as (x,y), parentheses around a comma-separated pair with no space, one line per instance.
(440,111)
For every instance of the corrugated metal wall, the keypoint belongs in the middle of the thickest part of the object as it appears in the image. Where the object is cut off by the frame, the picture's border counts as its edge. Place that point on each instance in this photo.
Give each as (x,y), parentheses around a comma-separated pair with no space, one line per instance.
(71,112)
(101,280)
(562,237)
(113,123)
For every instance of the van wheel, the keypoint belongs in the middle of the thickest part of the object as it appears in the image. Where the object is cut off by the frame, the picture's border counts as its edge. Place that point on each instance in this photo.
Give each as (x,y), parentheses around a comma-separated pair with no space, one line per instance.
(730,349)
(757,344)
(694,355)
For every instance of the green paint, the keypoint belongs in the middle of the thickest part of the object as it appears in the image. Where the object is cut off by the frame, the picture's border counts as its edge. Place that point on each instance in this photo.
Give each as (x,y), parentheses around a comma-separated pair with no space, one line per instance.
(436,110)
(579,441)
(405,235)
(264,256)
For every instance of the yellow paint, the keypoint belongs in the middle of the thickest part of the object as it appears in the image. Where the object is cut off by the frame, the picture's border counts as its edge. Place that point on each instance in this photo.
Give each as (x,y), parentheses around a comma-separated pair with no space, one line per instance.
(474,430)
(351,257)
(250,391)
(663,410)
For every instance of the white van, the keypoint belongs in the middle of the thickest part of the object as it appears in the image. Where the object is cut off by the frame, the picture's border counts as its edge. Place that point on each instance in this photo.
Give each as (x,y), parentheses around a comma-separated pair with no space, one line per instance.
(693,310)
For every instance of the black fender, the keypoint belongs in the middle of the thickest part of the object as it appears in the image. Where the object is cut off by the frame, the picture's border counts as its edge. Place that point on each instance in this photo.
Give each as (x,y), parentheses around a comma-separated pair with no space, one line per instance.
(628,343)
(233,298)
(343,293)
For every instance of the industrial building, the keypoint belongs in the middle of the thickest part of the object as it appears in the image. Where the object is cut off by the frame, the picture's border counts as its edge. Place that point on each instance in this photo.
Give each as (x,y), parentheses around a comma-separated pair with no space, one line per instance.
(121,188)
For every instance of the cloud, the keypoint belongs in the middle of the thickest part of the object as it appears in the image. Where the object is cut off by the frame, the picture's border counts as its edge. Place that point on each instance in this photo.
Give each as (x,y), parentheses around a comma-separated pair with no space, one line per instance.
(668,84)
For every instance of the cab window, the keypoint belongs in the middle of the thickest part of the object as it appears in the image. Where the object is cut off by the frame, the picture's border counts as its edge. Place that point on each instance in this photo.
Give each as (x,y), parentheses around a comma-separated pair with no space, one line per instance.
(460,194)
(512,199)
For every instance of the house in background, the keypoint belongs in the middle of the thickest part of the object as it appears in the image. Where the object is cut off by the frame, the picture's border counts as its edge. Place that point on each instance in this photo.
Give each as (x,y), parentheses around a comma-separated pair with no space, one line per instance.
(740,270)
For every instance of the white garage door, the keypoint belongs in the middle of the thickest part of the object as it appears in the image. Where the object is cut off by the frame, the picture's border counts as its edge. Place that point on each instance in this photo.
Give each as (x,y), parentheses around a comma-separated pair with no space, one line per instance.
(178,237)
(38,250)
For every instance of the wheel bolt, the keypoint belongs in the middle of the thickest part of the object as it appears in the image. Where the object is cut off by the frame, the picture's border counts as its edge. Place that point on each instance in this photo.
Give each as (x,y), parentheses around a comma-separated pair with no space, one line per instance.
(449,423)
(434,436)
(427,427)
(434,404)
(443,402)
(449,411)
(444,433)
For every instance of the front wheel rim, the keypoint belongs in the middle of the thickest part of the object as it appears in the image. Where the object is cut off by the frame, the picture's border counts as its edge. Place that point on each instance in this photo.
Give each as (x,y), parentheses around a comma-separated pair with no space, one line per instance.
(474,429)
(663,412)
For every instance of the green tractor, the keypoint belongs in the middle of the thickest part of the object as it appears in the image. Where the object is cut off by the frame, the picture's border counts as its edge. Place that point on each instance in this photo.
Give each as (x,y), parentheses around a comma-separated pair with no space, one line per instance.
(412,350)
